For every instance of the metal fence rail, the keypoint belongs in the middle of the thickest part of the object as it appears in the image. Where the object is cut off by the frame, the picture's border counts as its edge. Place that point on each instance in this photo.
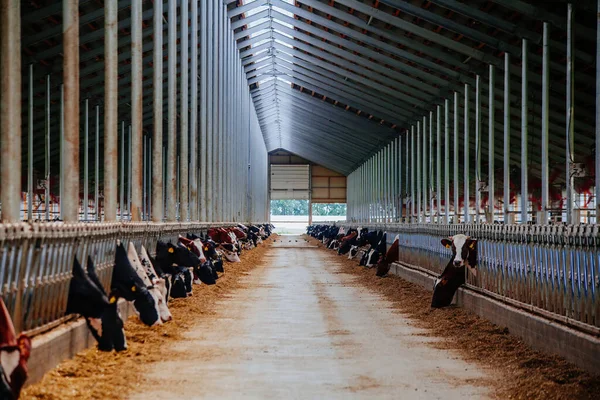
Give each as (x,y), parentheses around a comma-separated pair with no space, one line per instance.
(36,262)
(552,268)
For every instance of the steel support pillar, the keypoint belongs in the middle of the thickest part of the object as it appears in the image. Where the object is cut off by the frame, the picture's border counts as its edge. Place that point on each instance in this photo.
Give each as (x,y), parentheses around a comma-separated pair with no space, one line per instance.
(157,108)
(570,134)
(491,147)
(111,101)
(545,120)
(524,136)
(70,202)
(506,154)
(10,112)
(171,186)
(136,144)
(184,112)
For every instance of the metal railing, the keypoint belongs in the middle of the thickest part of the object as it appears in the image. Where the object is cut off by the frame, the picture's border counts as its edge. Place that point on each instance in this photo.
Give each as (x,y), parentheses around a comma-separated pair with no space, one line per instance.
(36,261)
(551,269)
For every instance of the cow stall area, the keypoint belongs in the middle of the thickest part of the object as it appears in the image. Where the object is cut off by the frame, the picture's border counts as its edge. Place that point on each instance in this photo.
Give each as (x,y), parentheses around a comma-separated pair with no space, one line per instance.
(142,142)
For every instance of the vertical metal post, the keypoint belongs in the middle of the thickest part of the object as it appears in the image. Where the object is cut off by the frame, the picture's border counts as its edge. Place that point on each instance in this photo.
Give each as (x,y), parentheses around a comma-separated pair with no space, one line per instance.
(419,180)
(61,151)
(157,110)
(164,188)
(111,125)
(455,183)
(129,172)
(598,113)
(430,192)
(491,157)
(86,161)
(122,185)
(424,171)
(30,149)
(144,183)
(47,150)
(171,183)
(412,175)
(477,147)
(466,179)
(218,115)
(210,104)
(545,128)
(399,200)
(136,137)
(204,66)
(570,142)
(193,206)
(506,154)
(524,134)
(438,165)
(446,161)
(97,166)
(408,181)
(184,110)
(10,112)
(70,203)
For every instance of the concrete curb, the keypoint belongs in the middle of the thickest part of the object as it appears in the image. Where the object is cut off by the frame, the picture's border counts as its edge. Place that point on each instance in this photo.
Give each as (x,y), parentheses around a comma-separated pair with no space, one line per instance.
(582,349)
(63,342)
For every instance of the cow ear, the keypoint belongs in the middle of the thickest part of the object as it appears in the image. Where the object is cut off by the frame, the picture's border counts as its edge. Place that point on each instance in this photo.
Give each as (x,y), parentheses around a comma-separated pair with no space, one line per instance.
(447,243)
(473,244)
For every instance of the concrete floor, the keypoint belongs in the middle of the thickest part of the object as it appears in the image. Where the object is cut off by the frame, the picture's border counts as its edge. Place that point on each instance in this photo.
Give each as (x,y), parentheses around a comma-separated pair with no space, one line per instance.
(302,330)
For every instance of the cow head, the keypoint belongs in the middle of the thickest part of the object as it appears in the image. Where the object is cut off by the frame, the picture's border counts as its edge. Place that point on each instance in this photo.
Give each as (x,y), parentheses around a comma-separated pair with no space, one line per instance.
(108,329)
(151,284)
(168,255)
(229,252)
(464,249)
(85,297)
(127,284)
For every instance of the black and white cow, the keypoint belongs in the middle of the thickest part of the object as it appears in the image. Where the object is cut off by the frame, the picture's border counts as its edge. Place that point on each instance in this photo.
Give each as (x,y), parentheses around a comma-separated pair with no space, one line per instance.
(464,254)
(152,286)
(177,262)
(127,283)
(109,330)
(383,266)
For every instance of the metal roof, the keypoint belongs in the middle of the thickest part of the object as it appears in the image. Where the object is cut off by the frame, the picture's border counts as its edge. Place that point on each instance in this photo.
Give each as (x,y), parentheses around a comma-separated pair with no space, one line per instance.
(334,81)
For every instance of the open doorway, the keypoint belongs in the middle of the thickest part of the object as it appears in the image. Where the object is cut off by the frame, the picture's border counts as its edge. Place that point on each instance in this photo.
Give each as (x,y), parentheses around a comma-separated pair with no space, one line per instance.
(291,217)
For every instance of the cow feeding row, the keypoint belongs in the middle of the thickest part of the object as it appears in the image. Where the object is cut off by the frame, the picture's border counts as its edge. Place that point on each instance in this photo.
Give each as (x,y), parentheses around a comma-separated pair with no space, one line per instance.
(370,248)
(147,282)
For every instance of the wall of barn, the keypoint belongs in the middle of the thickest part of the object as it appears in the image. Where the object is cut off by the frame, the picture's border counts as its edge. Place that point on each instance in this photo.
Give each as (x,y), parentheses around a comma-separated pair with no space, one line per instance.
(141,117)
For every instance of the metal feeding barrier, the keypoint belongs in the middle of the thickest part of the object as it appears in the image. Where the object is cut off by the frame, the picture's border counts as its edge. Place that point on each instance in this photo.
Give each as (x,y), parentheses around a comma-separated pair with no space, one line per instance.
(36,261)
(553,270)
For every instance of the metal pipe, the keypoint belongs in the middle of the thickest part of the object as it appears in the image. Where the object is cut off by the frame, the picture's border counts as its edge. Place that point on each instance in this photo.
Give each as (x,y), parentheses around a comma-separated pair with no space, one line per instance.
(144,187)
(122,186)
(70,203)
(164,187)
(446,161)
(172,114)
(47,150)
(524,134)
(467,218)
(184,109)
(111,127)
(570,140)
(412,175)
(30,149)
(545,120)
(157,108)
(129,172)
(438,165)
(217,114)
(10,112)
(193,205)
(419,180)
(136,137)
(97,166)
(491,150)
(61,151)
(408,181)
(210,104)
(399,200)
(506,154)
(150,186)
(430,192)
(477,147)
(203,108)
(86,161)
(456,197)
(598,113)
(424,172)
